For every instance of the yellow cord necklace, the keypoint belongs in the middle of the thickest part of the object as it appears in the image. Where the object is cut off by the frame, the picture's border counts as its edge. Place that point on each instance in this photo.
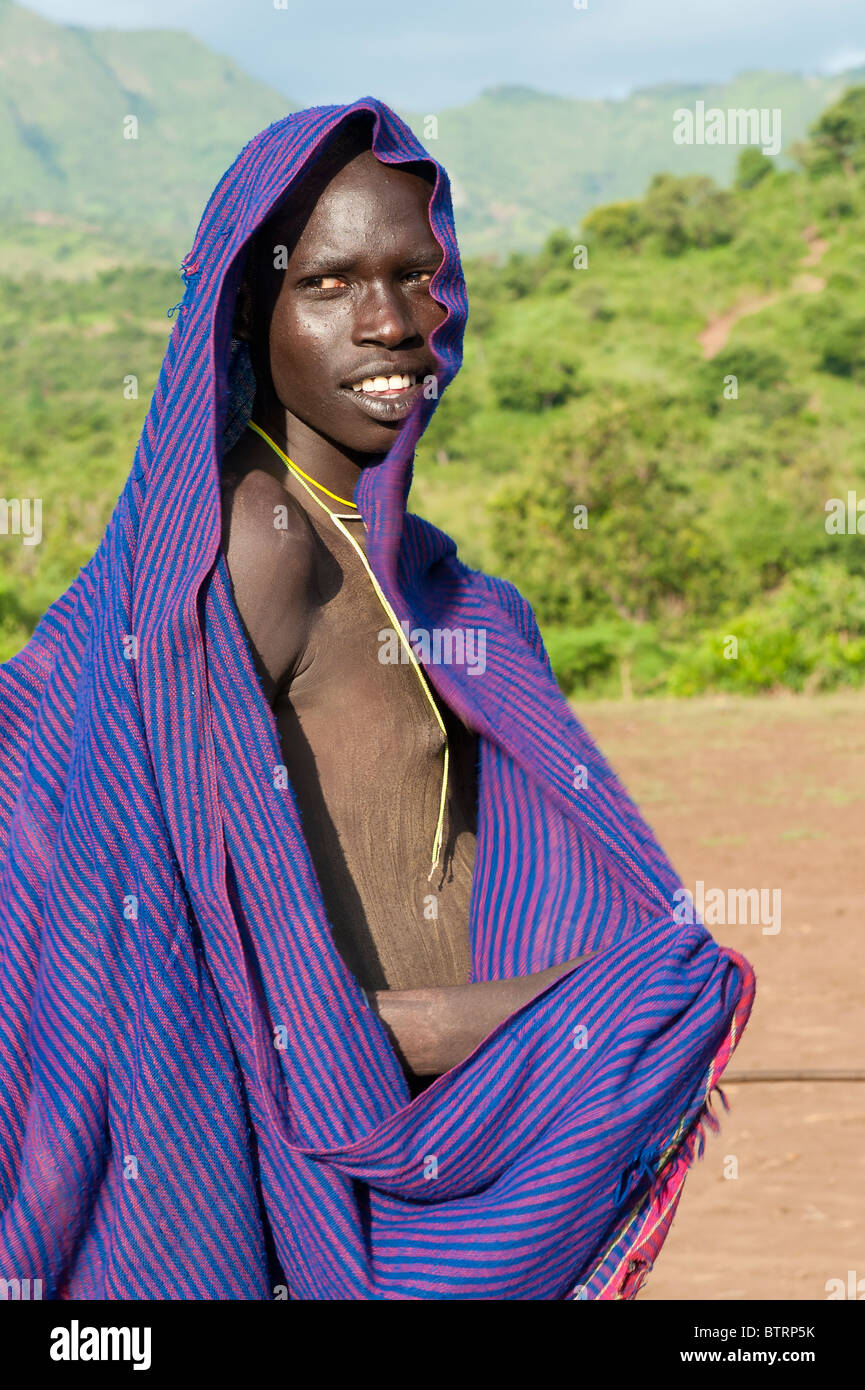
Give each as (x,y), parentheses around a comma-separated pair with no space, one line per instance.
(304,479)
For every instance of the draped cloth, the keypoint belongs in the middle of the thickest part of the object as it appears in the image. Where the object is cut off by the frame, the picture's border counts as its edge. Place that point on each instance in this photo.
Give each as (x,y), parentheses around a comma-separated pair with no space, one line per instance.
(195,1100)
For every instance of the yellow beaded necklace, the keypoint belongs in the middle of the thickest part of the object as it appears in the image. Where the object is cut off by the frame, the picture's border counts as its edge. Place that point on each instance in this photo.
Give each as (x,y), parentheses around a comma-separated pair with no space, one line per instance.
(338,518)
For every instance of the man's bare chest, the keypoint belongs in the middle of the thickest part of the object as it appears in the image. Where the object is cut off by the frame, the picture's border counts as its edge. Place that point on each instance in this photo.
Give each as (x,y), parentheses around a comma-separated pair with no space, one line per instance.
(356,682)
(364,739)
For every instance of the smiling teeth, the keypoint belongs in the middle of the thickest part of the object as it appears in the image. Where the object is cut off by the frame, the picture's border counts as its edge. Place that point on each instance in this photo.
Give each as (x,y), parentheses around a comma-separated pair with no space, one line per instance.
(373,385)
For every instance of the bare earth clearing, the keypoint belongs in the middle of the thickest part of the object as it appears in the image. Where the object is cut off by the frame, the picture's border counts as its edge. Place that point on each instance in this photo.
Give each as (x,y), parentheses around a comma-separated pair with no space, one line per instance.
(717,331)
(768,793)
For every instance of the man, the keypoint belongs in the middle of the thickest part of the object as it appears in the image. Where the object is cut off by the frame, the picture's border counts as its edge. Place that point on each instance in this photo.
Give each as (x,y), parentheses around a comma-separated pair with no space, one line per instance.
(348,310)
(325,975)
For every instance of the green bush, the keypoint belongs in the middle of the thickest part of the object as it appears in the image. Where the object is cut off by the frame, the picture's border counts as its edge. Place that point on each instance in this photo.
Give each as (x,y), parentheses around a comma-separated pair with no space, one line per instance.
(842,350)
(835,336)
(616,225)
(606,658)
(645,547)
(530,372)
(16,623)
(836,197)
(752,166)
(688,212)
(580,655)
(756,373)
(838,136)
(810,634)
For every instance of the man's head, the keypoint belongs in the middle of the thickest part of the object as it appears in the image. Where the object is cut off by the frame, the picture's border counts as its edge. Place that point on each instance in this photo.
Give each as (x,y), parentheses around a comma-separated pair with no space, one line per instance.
(336,292)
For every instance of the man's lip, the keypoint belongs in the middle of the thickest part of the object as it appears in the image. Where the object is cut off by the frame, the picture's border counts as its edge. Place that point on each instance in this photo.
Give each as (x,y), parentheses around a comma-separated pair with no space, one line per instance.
(385,405)
(388,372)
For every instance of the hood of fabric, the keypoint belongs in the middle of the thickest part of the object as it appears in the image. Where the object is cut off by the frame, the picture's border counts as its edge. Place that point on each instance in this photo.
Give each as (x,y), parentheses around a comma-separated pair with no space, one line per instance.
(218,372)
(201,405)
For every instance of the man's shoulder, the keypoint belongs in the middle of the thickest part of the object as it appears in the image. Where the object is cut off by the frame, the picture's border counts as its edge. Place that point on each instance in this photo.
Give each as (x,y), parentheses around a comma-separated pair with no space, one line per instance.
(267,531)
(254,499)
(271,551)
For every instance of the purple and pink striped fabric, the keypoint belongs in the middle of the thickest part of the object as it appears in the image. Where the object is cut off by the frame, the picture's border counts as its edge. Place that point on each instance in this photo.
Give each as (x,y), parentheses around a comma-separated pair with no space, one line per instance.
(195,1101)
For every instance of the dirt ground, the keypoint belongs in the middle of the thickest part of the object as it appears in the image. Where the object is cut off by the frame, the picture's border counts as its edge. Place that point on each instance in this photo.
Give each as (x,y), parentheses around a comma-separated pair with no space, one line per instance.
(768,793)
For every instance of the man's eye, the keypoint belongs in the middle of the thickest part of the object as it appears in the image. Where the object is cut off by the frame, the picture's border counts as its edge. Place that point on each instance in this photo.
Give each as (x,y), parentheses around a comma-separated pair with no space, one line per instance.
(422,276)
(325,282)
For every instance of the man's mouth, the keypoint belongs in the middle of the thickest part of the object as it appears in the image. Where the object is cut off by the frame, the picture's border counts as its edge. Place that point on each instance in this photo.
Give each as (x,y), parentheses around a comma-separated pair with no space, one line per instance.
(386,398)
(385,385)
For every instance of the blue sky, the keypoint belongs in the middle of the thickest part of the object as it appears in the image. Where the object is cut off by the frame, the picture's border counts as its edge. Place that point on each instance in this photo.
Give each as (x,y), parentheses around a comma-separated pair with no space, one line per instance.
(427,57)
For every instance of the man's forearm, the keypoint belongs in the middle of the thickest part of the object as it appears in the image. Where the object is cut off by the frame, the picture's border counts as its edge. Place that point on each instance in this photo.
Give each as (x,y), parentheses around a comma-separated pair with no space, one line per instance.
(435,1029)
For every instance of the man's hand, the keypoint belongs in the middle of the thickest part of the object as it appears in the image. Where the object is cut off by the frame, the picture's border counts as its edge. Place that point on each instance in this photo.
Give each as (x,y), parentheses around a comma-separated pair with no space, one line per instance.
(435,1029)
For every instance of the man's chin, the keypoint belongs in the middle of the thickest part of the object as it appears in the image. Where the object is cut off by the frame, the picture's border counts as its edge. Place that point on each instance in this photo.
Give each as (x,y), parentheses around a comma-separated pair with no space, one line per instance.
(367,440)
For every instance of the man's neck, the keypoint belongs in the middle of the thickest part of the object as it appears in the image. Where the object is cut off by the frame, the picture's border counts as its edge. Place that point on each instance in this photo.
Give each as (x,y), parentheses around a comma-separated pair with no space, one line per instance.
(330,464)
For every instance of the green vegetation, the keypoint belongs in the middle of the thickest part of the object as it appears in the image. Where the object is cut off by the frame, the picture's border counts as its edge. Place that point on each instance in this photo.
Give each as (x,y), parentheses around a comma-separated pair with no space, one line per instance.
(70,421)
(715,351)
(644,436)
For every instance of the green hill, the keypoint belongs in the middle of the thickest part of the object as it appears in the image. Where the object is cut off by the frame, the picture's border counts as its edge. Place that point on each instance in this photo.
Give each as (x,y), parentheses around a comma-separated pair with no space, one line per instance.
(523,162)
(74,190)
(67,172)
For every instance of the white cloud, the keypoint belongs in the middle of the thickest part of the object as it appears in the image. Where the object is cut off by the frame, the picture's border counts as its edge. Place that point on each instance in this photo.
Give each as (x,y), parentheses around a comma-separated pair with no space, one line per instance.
(844,61)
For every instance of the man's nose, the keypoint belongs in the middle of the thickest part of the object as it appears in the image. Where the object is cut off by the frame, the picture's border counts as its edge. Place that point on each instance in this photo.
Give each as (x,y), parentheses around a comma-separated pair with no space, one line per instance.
(382,316)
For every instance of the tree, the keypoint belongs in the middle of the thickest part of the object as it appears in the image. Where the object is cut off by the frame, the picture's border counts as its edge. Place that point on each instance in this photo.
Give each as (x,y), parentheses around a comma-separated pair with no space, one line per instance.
(686,212)
(836,336)
(618,225)
(838,136)
(530,372)
(756,372)
(753,166)
(644,546)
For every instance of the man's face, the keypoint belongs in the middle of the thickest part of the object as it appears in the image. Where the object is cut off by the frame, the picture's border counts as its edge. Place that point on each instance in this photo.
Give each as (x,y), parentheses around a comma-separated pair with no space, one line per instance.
(353,306)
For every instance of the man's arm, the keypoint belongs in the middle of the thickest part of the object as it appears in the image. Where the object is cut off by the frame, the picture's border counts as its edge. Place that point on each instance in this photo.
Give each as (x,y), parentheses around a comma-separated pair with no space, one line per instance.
(435,1029)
